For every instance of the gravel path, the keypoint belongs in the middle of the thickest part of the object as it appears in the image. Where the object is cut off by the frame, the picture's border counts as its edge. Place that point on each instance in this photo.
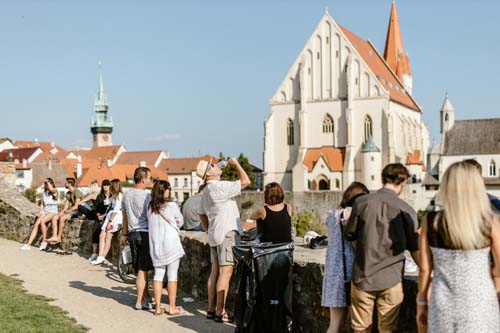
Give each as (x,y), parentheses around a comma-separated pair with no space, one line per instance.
(94,295)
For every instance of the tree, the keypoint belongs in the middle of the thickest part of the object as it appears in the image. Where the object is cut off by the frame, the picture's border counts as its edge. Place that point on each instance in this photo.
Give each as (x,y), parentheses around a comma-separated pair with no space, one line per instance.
(230,173)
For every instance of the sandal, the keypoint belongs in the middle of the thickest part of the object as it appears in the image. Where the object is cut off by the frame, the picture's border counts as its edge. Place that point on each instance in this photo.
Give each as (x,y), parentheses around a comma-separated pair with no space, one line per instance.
(210,314)
(162,311)
(223,318)
(180,309)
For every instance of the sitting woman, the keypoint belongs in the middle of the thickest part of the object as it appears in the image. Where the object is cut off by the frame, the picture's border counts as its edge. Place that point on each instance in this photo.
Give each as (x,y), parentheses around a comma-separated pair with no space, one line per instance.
(274,220)
(165,220)
(112,222)
(95,206)
(339,259)
(48,212)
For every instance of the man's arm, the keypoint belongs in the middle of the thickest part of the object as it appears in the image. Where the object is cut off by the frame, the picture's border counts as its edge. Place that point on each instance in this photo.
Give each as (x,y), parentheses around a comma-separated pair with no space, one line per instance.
(245,181)
(352,224)
(75,206)
(410,221)
(204,221)
(124,233)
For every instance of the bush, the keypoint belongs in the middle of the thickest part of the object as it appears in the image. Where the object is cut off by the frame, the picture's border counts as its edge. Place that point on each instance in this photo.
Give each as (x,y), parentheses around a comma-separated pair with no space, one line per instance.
(30,194)
(308,221)
(247,204)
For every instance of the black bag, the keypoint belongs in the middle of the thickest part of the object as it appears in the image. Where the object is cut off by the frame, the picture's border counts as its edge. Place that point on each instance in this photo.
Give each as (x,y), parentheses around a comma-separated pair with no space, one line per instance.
(318,242)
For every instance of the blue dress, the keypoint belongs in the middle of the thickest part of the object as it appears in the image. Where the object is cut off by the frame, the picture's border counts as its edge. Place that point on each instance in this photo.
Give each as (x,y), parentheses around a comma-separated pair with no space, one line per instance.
(333,281)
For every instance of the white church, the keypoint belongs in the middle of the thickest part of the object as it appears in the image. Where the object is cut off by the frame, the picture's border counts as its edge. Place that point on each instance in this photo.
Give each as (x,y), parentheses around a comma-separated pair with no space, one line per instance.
(343,111)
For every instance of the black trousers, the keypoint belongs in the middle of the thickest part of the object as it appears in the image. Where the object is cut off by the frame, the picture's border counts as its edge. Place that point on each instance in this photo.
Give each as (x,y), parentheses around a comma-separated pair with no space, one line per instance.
(92,215)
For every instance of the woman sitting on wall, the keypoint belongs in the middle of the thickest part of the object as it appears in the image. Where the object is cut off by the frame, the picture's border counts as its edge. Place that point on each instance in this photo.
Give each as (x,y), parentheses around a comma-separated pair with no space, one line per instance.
(48,212)
(274,220)
(112,222)
(95,206)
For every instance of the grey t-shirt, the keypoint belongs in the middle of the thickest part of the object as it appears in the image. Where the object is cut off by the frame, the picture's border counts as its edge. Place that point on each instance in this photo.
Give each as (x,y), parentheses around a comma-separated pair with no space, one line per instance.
(190,212)
(384,226)
(135,204)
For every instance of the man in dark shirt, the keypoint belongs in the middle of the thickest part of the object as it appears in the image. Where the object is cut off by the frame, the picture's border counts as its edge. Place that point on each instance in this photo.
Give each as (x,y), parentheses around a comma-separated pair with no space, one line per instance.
(383,226)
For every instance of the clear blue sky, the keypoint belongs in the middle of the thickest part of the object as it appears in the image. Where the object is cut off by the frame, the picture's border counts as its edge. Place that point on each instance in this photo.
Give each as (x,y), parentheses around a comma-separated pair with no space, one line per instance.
(196,76)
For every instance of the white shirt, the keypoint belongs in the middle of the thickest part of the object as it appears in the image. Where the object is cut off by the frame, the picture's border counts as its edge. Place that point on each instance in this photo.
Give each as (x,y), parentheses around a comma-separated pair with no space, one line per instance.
(218,203)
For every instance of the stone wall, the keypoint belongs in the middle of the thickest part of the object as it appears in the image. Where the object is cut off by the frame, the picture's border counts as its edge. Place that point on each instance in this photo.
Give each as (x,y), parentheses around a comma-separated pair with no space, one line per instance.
(17,216)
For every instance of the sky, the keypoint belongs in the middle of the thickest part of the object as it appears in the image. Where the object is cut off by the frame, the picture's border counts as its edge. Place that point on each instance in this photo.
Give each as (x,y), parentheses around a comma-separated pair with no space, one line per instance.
(195,77)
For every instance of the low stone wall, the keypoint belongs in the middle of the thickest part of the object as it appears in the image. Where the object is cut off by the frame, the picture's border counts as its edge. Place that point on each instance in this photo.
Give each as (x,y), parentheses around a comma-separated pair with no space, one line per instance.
(17,217)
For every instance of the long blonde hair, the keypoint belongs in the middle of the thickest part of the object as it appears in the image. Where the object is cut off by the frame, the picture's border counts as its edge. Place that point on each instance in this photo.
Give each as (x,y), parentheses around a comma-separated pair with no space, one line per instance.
(94,188)
(467,215)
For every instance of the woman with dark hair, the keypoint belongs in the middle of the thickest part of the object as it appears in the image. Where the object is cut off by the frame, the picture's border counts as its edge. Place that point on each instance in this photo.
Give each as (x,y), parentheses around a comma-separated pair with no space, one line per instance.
(48,210)
(99,202)
(274,220)
(112,222)
(165,220)
(339,259)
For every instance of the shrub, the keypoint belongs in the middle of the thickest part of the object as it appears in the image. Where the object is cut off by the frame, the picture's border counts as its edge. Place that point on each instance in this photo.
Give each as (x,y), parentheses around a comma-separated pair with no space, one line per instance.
(247,204)
(30,194)
(306,221)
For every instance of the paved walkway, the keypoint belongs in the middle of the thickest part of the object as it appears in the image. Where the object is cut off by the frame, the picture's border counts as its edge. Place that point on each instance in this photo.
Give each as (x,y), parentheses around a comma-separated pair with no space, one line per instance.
(94,295)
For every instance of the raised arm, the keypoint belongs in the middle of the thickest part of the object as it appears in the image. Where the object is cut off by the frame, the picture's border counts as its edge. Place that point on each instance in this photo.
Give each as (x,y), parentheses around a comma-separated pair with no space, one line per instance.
(245,181)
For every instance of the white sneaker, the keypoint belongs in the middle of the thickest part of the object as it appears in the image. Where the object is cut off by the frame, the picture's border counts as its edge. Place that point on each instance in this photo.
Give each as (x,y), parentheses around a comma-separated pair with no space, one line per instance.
(43,246)
(98,261)
(93,257)
(145,306)
(25,247)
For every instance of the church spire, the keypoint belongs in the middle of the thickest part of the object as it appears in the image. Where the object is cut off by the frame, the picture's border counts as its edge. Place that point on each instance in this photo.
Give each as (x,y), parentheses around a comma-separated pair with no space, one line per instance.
(102,124)
(394,53)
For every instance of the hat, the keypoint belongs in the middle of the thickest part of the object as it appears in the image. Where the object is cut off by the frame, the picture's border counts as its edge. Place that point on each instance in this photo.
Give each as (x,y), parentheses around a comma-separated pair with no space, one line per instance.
(106,182)
(202,168)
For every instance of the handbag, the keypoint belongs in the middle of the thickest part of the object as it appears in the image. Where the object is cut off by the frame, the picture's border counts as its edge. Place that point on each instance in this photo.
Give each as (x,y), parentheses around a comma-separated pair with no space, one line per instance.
(347,283)
(127,255)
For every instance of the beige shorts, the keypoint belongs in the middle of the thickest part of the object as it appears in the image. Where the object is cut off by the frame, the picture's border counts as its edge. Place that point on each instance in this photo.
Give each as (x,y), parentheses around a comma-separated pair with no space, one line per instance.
(223,253)
(388,302)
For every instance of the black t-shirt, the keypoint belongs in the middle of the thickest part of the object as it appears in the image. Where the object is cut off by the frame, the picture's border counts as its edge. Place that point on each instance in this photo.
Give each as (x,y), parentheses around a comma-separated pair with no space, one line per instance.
(101,203)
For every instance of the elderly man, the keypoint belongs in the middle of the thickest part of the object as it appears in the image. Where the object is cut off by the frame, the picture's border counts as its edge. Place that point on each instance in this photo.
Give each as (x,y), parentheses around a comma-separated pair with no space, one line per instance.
(220,216)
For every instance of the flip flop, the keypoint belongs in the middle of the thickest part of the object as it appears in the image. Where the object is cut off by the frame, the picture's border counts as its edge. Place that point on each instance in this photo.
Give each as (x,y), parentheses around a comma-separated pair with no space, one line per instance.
(181,312)
(163,311)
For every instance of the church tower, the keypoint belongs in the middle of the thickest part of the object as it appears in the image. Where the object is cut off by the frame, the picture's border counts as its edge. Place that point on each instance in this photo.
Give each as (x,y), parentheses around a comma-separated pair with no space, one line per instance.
(102,125)
(447,116)
(394,53)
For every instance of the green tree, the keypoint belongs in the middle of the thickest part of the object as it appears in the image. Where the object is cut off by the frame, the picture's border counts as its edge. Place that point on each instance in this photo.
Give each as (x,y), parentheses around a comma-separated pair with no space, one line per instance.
(230,173)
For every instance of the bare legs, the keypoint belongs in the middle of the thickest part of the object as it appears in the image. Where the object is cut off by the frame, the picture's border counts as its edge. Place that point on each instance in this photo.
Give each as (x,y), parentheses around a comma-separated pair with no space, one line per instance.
(62,220)
(172,294)
(225,273)
(40,220)
(141,283)
(105,243)
(337,318)
(157,291)
(212,286)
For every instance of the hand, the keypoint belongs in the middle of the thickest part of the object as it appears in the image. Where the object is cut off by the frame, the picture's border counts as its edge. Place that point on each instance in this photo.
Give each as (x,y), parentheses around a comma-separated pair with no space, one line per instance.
(233,161)
(422,318)
(123,240)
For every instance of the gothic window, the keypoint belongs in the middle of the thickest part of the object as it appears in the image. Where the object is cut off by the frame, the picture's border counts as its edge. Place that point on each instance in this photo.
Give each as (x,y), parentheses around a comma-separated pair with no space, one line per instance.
(446,117)
(328,124)
(493,169)
(337,184)
(289,133)
(368,129)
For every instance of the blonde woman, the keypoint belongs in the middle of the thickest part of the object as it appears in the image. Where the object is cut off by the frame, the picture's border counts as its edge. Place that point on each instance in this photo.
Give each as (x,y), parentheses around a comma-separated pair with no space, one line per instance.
(455,244)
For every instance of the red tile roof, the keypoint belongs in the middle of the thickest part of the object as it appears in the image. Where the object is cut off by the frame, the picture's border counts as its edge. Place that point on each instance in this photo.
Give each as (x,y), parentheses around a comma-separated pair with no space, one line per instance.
(136,157)
(394,53)
(17,154)
(183,165)
(123,172)
(45,145)
(102,153)
(414,158)
(334,158)
(381,69)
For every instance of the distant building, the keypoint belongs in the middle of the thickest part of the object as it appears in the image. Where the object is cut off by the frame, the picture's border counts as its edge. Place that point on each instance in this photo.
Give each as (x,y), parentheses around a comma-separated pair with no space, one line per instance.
(144,158)
(342,112)
(102,125)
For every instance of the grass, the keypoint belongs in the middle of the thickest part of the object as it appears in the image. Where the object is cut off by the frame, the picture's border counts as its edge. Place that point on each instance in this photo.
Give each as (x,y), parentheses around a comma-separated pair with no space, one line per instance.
(24,312)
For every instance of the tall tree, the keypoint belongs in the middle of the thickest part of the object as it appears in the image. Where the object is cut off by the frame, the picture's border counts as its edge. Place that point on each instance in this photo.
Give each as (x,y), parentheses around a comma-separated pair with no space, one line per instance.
(230,173)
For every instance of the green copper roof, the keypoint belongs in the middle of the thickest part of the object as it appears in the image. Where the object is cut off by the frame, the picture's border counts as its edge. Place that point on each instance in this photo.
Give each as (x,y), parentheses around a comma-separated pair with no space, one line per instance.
(369,147)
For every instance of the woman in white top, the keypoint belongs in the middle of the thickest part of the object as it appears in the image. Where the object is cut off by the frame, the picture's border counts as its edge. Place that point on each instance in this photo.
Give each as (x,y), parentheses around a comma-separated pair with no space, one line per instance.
(48,211)
(165,220)
(112,223)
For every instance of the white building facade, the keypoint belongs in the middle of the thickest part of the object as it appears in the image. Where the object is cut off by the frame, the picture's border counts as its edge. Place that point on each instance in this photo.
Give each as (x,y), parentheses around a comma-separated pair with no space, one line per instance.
(342,112)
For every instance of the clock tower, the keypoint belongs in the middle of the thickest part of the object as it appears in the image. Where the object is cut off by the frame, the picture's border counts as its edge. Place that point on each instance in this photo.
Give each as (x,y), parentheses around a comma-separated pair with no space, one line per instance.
(102,125)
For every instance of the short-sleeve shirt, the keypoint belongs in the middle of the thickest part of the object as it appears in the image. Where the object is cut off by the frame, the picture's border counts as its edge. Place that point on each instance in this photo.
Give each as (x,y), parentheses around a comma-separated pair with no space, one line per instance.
(71,196)
(190,212)
(384,226)
(135,204)
(218,203)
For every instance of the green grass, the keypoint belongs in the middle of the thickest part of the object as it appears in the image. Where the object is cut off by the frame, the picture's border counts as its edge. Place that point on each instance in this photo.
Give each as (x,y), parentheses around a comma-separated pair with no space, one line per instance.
(24,312)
